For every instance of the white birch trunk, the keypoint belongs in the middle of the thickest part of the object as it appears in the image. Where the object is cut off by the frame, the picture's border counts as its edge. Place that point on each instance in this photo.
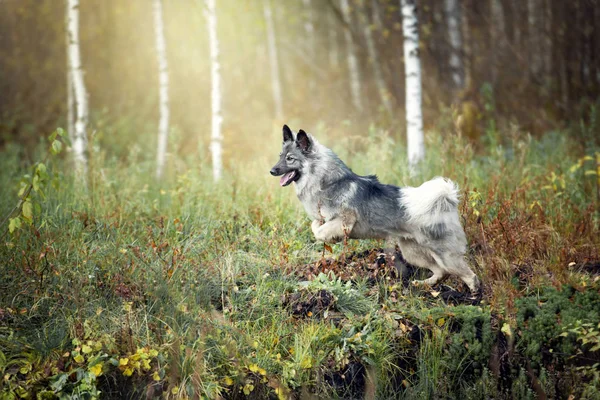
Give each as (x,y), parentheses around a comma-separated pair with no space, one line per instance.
(334,58)
(412,69)
(79,143)
(453,18)
(216,137)
(384,94)
(273,61)
(163,81)
(355,86)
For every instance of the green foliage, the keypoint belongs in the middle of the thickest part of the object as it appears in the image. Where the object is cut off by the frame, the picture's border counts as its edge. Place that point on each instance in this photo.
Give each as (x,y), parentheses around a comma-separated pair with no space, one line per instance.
(196,280)
(33,186)
(551,323)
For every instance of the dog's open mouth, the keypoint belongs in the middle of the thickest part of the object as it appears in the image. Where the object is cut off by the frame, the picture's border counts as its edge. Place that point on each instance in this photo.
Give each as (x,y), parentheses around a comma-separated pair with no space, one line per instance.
(289,177)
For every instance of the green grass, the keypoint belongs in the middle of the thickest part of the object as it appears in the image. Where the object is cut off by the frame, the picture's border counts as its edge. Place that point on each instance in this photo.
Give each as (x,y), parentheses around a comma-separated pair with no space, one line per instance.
(190,288)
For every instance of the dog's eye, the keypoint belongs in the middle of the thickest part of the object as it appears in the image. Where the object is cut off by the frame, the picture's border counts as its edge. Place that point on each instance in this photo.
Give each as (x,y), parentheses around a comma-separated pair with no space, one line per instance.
(289,158)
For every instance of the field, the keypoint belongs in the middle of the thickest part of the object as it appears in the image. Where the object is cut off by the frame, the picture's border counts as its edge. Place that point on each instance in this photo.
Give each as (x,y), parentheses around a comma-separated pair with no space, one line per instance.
(191,289)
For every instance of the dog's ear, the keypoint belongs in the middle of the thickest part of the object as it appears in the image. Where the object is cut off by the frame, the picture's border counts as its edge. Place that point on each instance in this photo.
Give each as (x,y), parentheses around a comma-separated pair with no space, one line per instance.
(287,134)
(303,140)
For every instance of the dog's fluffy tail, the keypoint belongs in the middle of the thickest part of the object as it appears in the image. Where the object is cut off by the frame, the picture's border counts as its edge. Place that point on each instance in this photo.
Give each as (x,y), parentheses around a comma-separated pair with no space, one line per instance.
(429,201)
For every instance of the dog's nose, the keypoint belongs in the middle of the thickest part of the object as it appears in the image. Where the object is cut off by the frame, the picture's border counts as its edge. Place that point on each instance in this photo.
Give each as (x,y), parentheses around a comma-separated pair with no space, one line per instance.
(273,172)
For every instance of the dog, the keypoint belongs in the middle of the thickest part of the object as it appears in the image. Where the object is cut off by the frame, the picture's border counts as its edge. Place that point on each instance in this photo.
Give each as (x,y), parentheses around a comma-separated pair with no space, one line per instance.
(423,221)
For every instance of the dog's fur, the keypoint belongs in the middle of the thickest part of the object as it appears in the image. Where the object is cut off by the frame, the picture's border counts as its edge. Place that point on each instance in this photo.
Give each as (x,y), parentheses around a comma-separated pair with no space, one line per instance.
(422,220)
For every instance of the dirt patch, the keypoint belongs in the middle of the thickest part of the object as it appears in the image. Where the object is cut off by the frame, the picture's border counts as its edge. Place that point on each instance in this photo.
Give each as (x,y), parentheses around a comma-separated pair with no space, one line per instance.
(375,266)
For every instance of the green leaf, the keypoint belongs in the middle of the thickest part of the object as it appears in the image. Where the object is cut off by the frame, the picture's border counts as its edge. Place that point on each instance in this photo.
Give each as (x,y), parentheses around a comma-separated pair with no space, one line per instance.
(41,170)
(52,136)
(56,147)
(61,132)
(36,183)
(24,187)
(28,211)
(14,224)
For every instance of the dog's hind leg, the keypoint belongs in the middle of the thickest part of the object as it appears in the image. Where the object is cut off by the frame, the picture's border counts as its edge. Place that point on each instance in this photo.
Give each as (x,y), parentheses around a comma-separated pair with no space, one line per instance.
(455,264)
(421,257)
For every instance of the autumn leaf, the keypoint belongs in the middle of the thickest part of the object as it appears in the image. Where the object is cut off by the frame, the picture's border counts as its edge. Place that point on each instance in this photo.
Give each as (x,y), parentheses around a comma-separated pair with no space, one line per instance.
(96,369)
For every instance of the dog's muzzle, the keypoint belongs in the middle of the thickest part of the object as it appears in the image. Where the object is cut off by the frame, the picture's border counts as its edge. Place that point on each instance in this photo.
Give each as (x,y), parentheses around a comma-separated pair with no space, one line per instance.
(275,172)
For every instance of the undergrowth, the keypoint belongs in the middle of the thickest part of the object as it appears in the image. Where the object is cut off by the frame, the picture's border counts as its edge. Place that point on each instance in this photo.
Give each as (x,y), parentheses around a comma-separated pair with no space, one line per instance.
(191,289)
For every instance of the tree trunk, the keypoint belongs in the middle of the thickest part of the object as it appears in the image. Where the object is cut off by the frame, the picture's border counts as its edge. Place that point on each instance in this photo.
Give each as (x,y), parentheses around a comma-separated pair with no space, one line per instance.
(79,143)
(534,10)
(384,94)
(497,37)
(163,79)
(355,86)
(412,70)
(273,61)
(215,77)
(70,90)
(453,18)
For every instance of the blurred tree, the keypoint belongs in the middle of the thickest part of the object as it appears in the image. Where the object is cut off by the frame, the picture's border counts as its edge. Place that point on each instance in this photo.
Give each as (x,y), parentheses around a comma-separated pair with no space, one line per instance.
(353,68)
(163,79)
(453,19)
(412,70)
(215,77)
(79,143)
(374,61)
(273,61)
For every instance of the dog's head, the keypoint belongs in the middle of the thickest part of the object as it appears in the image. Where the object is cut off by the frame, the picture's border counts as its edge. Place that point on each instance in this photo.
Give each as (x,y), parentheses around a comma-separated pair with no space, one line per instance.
(293,157)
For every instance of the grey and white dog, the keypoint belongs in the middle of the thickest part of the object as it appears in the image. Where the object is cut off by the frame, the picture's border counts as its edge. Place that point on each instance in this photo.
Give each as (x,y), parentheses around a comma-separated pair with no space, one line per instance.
(422,220)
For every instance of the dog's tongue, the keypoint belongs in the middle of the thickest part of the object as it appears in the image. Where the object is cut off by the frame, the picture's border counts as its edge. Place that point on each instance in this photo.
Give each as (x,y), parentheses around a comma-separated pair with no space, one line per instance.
(287,178)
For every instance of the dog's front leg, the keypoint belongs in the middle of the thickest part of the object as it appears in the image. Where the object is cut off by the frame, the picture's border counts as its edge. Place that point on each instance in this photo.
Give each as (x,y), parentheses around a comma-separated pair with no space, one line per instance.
(335,229)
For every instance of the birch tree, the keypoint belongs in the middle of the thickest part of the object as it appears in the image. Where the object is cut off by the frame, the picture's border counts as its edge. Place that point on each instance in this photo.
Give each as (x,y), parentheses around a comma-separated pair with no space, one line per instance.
(216,137)
(163,81)
(412,70)
(453,17)
(355,86)
(70,93)
(79,143)
(374,60)
(273,60)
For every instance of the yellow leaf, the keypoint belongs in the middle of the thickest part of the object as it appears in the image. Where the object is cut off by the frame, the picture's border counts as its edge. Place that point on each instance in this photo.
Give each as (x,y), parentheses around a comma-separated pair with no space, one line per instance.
(153,353)
(227,381)
(506,330)
(124,361)
(253,368)
(79,358)
(86,349)
(155,376)
(28,210)
(441,322)
(128,372)
(96,369)
(175,390)
(248,388)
